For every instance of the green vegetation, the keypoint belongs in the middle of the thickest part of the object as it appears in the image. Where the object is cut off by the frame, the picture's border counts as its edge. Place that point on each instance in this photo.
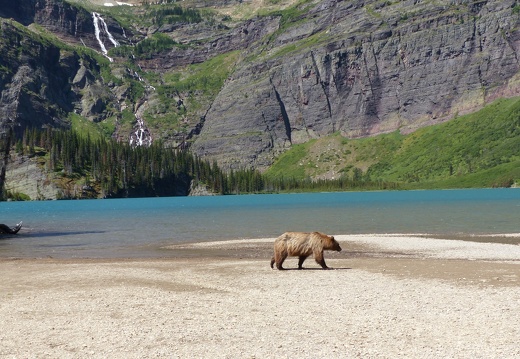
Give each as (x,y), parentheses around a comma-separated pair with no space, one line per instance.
(16,196)
(86,166)
(183,94)
(290,163)
(173,14)
(86,127)
(157,43)
(147,48)
(126,16)
(208,76)
(304,45)
(476,150)
(292,14)
(464,146)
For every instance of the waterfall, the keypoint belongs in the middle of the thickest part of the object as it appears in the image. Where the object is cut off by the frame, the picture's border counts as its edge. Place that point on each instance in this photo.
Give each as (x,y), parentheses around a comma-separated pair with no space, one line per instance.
(141,136)
(100,27)
(97,33)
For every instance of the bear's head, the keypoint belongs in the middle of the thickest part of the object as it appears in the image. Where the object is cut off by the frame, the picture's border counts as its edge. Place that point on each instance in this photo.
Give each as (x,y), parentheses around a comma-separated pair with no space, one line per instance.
(332,244)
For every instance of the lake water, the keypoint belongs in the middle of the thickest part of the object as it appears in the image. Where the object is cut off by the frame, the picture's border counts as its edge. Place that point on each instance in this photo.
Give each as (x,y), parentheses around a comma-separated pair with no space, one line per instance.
(114,228)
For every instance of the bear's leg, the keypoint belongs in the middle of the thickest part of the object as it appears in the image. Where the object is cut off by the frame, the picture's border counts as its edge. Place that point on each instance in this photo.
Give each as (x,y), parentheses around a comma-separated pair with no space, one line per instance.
(318,256)
(279,258)
(300,261)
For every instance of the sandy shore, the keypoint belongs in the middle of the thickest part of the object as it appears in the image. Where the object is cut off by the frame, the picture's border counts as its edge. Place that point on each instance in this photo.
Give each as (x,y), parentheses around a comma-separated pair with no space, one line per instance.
(389,297)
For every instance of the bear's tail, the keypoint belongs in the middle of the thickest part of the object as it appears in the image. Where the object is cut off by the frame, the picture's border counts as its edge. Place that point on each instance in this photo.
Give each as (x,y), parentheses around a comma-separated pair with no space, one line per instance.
(272,263)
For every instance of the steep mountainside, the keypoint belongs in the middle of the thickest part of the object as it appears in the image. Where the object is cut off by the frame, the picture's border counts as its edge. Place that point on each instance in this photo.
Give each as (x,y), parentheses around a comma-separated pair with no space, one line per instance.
(43,80)
(241,89)
(363,68)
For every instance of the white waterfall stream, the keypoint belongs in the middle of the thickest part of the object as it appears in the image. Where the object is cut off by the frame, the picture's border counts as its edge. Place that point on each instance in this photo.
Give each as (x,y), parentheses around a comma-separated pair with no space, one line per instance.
(141,136)
(100,27)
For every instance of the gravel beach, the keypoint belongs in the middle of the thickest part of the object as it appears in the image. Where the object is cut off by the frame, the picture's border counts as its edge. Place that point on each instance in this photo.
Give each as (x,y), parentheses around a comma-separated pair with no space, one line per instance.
(389,296)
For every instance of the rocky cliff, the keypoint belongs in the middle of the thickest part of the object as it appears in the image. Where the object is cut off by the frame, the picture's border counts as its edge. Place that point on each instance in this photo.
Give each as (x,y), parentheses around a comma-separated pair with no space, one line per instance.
(363,68)
(34,83)
(42,82)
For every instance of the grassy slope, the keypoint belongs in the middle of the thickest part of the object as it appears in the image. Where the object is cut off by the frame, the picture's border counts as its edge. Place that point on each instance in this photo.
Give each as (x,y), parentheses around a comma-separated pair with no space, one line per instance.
(477,150)
(197,85)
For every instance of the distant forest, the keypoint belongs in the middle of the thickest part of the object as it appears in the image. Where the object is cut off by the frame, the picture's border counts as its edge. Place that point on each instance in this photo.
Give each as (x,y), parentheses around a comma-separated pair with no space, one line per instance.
(115,169)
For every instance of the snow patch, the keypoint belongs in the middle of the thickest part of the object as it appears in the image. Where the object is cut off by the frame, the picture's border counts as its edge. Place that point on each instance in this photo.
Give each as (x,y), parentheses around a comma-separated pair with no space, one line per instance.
(117,3)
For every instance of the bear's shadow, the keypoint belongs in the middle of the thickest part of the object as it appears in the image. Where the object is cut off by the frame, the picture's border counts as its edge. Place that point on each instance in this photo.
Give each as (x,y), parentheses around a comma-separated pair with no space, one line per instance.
(306,269)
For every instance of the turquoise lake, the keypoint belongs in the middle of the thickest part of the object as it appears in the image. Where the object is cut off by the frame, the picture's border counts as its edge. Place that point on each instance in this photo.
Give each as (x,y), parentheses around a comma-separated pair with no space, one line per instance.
(137,227)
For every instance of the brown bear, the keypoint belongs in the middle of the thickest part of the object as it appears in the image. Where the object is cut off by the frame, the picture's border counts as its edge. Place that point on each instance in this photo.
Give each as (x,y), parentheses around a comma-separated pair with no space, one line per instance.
(302,245)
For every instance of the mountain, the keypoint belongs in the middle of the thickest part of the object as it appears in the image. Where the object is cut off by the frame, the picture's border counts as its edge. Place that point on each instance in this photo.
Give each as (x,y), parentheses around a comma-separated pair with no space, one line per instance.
(362,68)
(242,82)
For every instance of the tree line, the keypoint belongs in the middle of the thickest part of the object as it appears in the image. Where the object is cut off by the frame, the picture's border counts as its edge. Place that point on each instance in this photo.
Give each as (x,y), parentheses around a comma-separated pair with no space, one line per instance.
(92,167)
(116,169)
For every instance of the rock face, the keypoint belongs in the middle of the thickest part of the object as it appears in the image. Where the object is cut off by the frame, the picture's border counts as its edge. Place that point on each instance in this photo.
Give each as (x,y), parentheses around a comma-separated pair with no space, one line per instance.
(363,68)
(26,176)
(216,42)
(35,90)
(44,83)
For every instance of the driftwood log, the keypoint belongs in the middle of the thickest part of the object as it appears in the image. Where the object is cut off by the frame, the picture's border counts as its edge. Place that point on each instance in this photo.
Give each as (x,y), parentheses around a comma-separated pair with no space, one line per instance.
(5,229)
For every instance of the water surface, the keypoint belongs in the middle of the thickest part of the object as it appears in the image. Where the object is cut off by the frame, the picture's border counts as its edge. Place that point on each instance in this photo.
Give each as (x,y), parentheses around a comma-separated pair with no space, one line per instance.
(139,227)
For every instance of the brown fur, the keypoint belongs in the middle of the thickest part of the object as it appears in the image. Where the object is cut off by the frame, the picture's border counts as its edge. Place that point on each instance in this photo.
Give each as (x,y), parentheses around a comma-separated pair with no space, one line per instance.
(302,245)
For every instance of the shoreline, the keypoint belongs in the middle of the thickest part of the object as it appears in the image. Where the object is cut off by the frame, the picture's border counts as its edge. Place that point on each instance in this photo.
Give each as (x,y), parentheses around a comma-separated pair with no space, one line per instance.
(389,296)
(191,248)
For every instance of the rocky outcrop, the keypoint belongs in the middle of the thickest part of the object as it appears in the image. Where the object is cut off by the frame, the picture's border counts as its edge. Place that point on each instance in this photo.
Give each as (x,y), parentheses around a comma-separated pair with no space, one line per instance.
(26,176)
(44,83)
(363,68)
(35,90)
